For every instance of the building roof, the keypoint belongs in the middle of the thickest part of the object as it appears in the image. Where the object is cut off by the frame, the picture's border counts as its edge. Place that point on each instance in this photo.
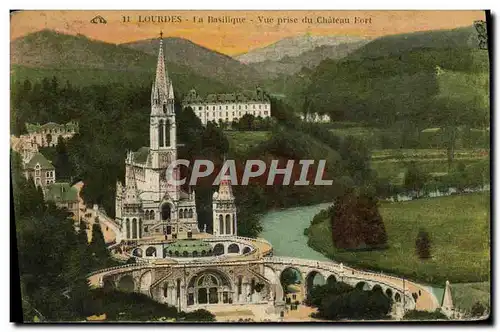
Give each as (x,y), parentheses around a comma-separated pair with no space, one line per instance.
(61,192)
(141,155)
(235,97)
(189,245)
(34,128)
(39,158)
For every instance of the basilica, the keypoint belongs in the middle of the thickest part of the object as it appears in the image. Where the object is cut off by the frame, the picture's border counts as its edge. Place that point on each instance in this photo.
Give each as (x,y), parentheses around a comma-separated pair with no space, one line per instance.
(147,205)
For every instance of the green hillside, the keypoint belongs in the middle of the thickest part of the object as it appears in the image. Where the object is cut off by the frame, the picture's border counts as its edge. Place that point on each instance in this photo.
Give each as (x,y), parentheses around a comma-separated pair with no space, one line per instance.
(83,61)
(202,60)
(465,37)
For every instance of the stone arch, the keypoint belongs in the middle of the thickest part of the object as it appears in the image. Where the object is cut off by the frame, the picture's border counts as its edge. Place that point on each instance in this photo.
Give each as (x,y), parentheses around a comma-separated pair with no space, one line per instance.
(377,288)
(108,285)
(181,213)
(195,253)
(185,253)
(126,284)
(362,286)
(276,286)
(228,224)
(190,214)
(290,276)
(151,215)
(397,297)
(209,286)
(221,224)
(331,279)
(246,250)
(137,252)
(388,292)
(314,278)
(218,249)
(140,228)
(166,211)
(151,252)
(233,248)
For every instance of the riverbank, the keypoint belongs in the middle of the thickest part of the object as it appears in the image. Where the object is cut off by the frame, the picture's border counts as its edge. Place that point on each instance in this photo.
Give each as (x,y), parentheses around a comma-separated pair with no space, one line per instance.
(458,227)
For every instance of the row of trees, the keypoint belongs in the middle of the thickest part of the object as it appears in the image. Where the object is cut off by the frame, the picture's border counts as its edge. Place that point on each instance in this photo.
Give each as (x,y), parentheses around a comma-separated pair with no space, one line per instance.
(339,300)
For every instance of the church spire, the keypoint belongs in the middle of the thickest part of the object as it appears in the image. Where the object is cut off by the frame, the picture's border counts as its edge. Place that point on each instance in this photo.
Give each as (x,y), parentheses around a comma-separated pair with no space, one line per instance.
(160,91)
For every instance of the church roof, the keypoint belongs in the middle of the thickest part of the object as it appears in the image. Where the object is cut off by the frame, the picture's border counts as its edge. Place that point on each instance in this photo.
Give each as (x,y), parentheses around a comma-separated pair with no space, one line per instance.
(34,128)
(39,159)
(61,192)
(141,155)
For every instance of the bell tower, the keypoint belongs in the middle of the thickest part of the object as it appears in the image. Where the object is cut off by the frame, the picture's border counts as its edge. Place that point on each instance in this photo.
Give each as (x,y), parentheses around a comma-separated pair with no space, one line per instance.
(162,130)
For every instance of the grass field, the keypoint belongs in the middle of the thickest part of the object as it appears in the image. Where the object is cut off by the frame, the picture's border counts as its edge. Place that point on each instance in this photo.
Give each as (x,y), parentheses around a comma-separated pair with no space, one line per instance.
(393,163)
(243,140)
(466,294)
(459,230)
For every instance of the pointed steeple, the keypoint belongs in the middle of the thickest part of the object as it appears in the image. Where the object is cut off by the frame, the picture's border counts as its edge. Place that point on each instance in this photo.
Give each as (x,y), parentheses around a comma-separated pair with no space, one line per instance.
(160,85)
(447,299)
(132,193)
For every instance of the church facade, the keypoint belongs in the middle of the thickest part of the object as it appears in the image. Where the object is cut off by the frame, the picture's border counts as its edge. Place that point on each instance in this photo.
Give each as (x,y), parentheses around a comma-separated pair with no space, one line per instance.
(147,204)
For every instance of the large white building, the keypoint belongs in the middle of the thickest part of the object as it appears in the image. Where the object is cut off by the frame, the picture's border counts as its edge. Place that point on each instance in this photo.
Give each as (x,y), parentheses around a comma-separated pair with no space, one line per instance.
(147,204)
(228,107)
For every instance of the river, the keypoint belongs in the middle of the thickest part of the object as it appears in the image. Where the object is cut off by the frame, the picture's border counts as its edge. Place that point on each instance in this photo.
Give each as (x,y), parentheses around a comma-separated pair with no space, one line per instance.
(285,230)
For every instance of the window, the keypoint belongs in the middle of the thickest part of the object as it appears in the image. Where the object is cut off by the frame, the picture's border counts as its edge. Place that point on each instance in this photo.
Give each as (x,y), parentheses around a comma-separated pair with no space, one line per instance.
(37,172)
(233,107)
(226,106)
(47,181)
(246,106)
(265,112)
(233,113)
(227,114)
(199,108)
(253,106)
(213,108)
(239,113)
(239,107)
(260,106)
(207,107)
(265,106)
(294,296)
(220,107)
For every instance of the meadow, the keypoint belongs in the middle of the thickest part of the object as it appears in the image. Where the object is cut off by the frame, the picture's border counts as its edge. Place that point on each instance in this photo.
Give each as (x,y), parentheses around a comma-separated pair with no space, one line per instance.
(459,229)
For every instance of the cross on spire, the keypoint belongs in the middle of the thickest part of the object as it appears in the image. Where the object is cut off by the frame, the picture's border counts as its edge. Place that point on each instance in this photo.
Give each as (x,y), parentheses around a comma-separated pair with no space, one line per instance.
(161,34)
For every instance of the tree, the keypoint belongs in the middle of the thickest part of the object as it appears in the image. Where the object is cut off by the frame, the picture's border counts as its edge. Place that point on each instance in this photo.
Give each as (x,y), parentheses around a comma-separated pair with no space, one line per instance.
(62,162)
(357,223)
(423,245)
(97,247)
(478,309)
(415,179)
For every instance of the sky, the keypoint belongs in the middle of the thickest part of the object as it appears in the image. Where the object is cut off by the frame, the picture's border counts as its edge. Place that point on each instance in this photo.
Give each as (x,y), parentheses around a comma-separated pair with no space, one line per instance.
(251,30)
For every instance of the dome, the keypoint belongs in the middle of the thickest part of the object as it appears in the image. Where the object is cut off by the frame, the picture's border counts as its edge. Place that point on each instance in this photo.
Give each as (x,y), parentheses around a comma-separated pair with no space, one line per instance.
(188,248)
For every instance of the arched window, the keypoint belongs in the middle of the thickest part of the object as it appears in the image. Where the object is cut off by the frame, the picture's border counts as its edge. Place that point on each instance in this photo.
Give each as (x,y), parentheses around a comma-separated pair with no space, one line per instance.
(167,133)
(151,215)
(165,211)
(127,225)
(134,228)
(165,290)
(181,214)
(190,215)
(221,224)
(228,224)
(146,215)
(140,228)
(160,134)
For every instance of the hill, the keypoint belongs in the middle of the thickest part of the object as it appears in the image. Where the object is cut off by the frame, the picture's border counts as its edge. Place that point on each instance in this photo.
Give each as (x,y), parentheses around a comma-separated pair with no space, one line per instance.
(202,60)
(84,61)
(293,46)
(290,65)
(465,37)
